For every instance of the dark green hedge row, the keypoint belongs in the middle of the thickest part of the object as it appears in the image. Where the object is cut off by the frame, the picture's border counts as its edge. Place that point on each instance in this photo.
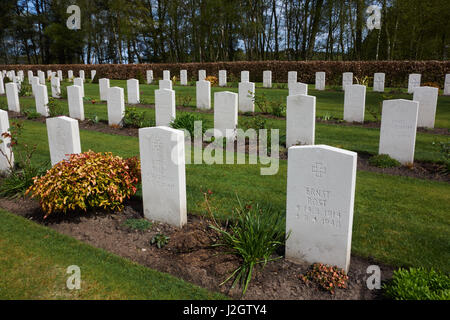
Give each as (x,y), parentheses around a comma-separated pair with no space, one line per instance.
(396,71)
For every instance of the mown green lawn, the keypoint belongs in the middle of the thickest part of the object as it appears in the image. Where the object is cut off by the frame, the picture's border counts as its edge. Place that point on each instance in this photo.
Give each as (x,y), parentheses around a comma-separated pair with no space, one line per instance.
(34,261)
(398,220)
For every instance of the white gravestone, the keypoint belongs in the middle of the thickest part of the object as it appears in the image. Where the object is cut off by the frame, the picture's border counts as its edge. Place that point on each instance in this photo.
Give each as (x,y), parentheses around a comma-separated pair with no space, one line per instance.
(93,73)
(427,98)
(41,76)
(183,77)
(222,78)
(12,96)
(79,82)
(300,120)
(8,156)
(414,81)
(2,85)
(378,82)
(163,175)
(49,73)
(225,114)
(246,97)
(75,100)
(267,79)
(70,75)
(203,94)
(149,76)
(245,76)
(296,88)
(320,81)
(354,103)
(165,109)
(34,83)
(20,75)
(63,138)
(41,99)
(201,75)
(320,200)
(60,75)
(116,106)
(165,84)
(30,76)
(347,79)
(104,87)
(133,91)
(447,85)
(398,129)
(56,87)
(166,75)
(81,74)
(292,77)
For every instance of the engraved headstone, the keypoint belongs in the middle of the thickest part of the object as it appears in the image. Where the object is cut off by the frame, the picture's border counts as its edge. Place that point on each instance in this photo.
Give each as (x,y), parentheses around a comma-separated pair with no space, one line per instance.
(246,97)
(2,85)
(320,81)
(447,85)
(183,77)
(34,83)
(222,78)
(56,87)
(296,88)
(354,103)
(79,82)
(166,75)
(320,201)
(164,107)
(201,75)
(300,120)
(116,106)
(149,76)
(245,76)
(81,75)
(427,98)
(267,79)
(75,100)
(7,159)
(63,138)
(163,175)
(398,129)
(165,84)
(12,96)
(70,75)
(378,82)
(104,87)
(30,75)
(41,76)
(292,77)
(133,91)
(203,94)
(225,114)
(41,99)
(347,79)
(414,81)
(60,75)
(93,73)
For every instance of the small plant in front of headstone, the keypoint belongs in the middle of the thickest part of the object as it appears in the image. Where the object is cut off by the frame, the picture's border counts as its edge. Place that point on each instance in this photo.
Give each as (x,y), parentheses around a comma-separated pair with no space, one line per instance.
(186,121)
(4,105)
(278,108)
(25,90)
(443,148)
(87,181)
(214,81)
(329,278)
(55,108)
(30,115)
(363,80)
(95,79)
(418,284)
(254,235)
(383,161)
(261,102)
(134,119)
(160,240)
(185,100)
(137,224)
(256,122)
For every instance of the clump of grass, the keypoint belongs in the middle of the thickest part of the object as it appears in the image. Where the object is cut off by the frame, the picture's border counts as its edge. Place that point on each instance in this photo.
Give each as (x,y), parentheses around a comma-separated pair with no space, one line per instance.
(384,161)
(254,236)
(137,224)
(160,240)
(418,284)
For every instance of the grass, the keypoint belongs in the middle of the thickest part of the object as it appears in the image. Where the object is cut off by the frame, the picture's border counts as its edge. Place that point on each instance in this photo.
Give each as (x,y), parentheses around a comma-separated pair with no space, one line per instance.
(401,221)
(34,260)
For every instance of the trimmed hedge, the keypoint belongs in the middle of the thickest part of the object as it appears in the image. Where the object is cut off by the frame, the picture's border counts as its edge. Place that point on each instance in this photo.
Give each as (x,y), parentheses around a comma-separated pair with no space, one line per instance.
(396,71)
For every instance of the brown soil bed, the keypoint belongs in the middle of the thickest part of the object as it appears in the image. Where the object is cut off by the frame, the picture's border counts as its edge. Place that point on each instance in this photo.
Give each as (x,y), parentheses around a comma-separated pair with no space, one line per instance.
(189,255)
(420,169)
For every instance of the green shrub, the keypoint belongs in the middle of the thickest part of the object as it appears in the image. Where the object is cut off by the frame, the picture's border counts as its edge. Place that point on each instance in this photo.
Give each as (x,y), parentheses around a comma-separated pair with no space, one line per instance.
(383,161)
(137,224)
(418,284)
(30,115)
(63,88)
(140,76)
(255,122)
(135,119)
(254,236)
(55,108)
(25,90)
(186,121)
(160,240)
(87,181)
(278,109)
